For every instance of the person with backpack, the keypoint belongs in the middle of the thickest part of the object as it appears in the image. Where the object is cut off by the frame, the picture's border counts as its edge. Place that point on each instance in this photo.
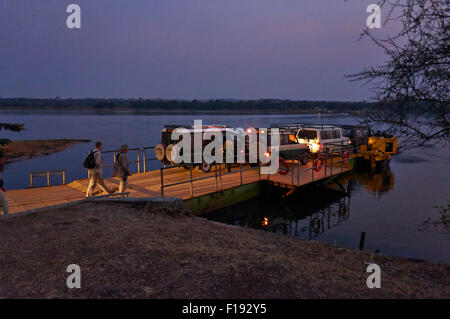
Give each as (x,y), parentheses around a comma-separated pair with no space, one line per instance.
(93,162)
(121,168)
(4,208)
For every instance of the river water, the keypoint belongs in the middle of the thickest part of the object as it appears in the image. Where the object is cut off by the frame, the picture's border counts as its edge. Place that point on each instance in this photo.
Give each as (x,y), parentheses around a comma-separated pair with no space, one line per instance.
(389,205)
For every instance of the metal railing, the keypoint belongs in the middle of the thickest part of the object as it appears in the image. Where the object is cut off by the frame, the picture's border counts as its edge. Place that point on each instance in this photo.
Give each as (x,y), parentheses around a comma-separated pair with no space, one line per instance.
(142,158)
(48,174)
(331,151)
(332,159)
(218,175)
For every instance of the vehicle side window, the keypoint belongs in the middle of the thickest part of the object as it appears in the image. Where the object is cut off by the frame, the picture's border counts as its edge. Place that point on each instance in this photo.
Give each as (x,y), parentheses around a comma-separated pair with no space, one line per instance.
(284,139)
(326,135)
(336,134)
(347,132)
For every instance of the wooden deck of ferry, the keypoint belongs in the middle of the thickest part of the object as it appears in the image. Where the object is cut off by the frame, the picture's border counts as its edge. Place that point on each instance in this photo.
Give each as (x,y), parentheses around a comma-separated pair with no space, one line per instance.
(175,182)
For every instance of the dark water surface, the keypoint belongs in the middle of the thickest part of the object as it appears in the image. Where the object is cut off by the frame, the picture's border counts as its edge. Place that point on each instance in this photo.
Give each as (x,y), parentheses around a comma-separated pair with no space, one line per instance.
(390,205)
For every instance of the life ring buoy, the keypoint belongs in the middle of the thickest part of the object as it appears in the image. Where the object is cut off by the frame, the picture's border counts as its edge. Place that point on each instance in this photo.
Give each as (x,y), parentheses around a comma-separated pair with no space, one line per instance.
(346,156)
(285,170)
(318,163)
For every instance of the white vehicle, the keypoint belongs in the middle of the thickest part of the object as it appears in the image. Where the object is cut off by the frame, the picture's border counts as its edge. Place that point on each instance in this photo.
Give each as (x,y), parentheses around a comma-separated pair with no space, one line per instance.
(296,139)
(321,137)
(163,150)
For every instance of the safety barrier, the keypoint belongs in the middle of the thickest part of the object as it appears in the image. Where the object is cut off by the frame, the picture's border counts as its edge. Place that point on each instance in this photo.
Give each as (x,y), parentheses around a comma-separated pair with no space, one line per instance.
(48,174)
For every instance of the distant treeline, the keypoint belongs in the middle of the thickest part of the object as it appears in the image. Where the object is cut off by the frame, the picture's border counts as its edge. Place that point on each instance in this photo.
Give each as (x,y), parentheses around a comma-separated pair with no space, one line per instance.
(161,105)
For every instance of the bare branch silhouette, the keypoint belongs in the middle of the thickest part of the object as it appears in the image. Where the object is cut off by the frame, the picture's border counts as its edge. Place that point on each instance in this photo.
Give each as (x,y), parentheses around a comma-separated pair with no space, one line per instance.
(412,87)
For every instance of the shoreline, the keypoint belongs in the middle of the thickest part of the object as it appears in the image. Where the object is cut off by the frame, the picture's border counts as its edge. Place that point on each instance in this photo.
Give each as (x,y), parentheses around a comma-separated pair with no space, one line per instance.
(322,112)
(21,150)
(148,252)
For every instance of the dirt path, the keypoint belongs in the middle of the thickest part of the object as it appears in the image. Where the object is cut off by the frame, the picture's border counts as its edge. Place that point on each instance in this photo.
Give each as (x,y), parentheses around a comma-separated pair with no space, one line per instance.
(126,251)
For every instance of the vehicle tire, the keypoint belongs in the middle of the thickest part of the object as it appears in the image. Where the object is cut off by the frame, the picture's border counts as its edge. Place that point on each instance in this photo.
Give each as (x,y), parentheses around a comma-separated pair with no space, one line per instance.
(205,167)
(304,161)
(160,151)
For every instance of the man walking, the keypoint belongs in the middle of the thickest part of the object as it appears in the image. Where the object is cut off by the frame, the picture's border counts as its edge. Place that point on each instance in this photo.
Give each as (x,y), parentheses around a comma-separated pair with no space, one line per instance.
(121,168)
(94,162)
(4,208)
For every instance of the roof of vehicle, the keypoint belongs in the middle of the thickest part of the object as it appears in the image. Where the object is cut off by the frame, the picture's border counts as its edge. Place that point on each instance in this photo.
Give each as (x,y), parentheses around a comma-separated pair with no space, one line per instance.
(305,126)
(224,128)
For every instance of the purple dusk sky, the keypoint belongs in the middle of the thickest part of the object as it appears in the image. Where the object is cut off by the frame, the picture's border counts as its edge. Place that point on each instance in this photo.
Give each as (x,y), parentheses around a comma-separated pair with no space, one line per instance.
(243,49)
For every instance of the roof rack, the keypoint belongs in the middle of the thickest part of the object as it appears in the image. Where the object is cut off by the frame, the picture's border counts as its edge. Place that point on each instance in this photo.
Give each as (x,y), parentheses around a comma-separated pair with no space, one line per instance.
(296,126)
(192,126)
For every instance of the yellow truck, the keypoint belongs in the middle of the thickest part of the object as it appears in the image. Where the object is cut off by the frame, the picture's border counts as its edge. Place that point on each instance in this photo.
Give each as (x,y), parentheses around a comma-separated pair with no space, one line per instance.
(370,147)
(379,149)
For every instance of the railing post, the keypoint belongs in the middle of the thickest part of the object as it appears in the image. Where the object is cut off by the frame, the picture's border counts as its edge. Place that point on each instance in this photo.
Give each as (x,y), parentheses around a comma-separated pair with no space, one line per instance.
(220,178)
(139,161)
(332,159)
(31,180)
(298,173)
(114,159)
(64,177)
(215,173)
(144,159)
(192,183)
(240,171)
(292,177)
(48,178)
(162,182)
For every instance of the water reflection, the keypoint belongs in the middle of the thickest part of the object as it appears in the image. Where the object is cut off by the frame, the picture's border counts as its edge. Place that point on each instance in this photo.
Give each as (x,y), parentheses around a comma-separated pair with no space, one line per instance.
(311,211)
(378,182)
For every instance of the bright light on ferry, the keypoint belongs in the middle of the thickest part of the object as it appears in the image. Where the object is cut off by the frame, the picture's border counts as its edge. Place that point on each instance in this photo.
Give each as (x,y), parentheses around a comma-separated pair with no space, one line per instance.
(314,146)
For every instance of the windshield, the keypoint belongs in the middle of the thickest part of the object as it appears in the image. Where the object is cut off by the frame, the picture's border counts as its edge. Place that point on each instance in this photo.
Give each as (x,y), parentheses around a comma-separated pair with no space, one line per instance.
(307,134)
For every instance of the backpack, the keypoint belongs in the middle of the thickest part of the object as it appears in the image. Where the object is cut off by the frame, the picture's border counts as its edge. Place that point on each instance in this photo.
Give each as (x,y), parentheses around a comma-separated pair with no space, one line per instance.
(89,161)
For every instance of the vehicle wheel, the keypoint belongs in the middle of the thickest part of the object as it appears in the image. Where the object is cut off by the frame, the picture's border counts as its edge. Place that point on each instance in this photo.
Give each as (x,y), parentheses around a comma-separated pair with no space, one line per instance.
(160,151)
(205,167)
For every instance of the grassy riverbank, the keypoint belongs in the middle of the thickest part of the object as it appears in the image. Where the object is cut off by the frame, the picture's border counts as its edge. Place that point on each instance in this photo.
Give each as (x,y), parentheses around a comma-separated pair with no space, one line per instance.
(23,150)
(127,251)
